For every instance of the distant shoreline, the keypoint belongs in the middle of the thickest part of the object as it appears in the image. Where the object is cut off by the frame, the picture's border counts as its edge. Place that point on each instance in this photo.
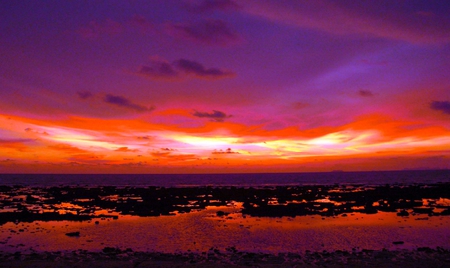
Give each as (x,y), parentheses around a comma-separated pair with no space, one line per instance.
(231,179)
(239,173)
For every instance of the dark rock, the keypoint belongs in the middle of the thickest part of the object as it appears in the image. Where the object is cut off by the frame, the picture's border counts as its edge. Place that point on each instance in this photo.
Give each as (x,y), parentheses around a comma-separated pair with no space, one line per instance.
(73,234)
(445,212)
(111,250)
(220,213)
(423,210)
(398,242)
(403,213)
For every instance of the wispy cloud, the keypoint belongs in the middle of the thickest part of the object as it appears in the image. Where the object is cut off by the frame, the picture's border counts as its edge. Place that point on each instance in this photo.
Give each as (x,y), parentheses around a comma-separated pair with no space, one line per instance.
(66,148)
(227,151)
(84,95)
(365,93)
(217,116)
(162,69)
(197,69)
(20,145)
(443,106)
(342,18)
(159,69)
(299,105)
(212,5)
(96,29)
(209,32)
(142,23)
(125,103)
(12,141)
(126,149)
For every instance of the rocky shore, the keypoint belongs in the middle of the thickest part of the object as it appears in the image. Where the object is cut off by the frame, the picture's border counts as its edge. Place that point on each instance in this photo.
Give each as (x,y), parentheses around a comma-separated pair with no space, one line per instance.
(114,257)
(285,226)
(25,204)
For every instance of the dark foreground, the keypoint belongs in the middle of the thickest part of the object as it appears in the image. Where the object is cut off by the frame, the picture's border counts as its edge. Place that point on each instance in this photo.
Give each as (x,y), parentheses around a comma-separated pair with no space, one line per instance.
(286,226)
(110,257)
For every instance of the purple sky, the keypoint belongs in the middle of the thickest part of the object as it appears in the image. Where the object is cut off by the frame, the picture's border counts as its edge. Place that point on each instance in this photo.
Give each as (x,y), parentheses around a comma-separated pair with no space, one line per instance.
(286,85)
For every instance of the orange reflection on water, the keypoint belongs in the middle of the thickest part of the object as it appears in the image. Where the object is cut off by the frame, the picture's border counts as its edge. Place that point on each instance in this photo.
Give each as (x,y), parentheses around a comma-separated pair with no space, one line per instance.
(201,230)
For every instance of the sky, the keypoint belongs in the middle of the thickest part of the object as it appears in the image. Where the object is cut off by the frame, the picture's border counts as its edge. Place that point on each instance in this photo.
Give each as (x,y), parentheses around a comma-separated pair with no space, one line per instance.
(216,86)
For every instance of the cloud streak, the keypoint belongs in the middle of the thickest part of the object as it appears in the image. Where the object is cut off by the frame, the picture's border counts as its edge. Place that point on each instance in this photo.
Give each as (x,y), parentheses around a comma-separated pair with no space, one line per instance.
(196,69)
(208,32)
(84,95)
(161,69)
(217,116)
(96,29)
(341,18)
(213,5)
(443,106)
(125,103)
(365,93)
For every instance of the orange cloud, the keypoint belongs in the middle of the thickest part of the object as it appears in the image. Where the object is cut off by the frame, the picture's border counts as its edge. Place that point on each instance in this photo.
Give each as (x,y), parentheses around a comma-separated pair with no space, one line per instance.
(103,142)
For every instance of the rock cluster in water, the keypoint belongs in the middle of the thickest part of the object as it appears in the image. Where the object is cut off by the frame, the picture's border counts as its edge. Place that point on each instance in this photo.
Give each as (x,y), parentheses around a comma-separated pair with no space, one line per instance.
(27,204)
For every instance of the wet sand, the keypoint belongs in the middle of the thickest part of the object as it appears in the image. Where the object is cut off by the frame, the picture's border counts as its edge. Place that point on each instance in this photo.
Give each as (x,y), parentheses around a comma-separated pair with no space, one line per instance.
(351,225)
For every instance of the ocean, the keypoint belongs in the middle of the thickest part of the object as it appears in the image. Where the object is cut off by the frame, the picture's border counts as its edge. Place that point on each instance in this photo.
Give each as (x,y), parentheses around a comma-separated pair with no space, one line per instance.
(405,177)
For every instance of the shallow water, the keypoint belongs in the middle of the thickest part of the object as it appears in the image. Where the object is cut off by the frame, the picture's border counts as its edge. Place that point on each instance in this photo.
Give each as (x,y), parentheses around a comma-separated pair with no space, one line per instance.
(351,227)
(201,230)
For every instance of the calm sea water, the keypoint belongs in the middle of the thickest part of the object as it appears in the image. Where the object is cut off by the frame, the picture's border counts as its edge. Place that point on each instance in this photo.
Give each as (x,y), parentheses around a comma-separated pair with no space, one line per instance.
(253,179)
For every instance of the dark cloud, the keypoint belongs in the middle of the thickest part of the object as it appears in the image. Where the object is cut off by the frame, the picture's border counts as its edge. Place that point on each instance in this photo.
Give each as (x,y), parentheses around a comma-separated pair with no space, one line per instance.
(144,138)
(193,67)
(125,103)
(215,115)
(210,32)
(35,131)
(211,5)
(443,106)
(84,95)
(227,151)
(365,93)
(161,69)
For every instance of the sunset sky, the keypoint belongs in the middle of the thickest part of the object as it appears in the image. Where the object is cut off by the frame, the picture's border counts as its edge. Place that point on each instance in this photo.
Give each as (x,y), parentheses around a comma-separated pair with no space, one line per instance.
(223,86)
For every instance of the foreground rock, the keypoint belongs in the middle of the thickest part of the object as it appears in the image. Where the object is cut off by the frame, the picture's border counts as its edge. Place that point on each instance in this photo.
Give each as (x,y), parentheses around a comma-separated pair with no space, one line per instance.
(113,257)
